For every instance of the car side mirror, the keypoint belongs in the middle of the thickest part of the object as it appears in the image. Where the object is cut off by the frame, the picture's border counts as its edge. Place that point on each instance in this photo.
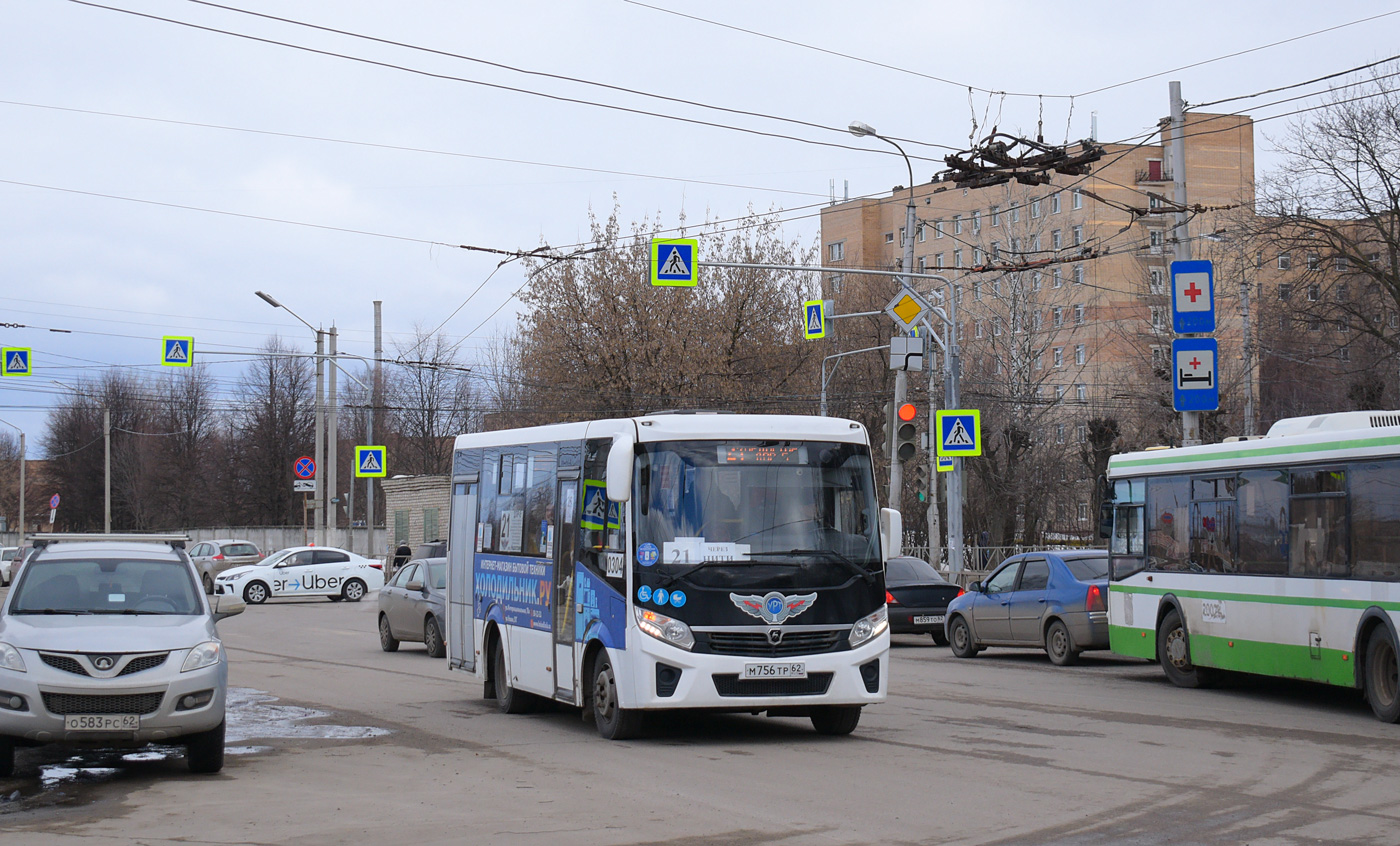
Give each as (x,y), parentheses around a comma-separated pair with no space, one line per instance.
(414,585)
(227,605)
(975,587)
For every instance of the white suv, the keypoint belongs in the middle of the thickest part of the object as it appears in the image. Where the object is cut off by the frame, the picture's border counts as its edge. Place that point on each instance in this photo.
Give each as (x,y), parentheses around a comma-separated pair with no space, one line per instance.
(108,640)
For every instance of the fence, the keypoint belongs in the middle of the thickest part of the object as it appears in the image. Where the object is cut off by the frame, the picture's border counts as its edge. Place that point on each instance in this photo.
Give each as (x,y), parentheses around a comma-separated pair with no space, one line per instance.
(978,561)
(272,538)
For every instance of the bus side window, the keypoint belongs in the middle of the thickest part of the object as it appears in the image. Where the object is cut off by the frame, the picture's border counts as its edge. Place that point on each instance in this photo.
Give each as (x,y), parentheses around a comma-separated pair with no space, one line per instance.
(1262,497)
(1168,522)
(1375,520)
(1317,524)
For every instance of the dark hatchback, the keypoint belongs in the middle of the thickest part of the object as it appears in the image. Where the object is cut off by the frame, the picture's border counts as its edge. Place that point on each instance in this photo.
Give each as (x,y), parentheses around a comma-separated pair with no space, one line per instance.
(917,598)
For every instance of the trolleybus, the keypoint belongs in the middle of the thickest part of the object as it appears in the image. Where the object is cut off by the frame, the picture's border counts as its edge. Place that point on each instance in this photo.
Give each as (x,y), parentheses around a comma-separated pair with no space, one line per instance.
(1277,555)
(683,560)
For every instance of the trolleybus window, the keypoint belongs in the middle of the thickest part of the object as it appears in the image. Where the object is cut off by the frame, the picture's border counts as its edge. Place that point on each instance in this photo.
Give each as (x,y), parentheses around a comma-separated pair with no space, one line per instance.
(1168,501)
(1263,521)
(1375,520)
(1317,527)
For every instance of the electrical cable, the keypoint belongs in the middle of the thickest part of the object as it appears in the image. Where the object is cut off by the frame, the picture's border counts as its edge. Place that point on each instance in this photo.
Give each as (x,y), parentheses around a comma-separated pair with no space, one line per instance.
(1294,85)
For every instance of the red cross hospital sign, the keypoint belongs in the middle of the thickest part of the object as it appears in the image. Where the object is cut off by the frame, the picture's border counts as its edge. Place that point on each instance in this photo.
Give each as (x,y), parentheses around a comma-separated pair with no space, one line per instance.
(1193,297)
(1196,375)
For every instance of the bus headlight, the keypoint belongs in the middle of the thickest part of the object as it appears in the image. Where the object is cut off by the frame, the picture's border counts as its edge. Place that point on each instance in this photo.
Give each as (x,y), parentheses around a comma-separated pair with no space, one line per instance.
(665,628)
(870,627)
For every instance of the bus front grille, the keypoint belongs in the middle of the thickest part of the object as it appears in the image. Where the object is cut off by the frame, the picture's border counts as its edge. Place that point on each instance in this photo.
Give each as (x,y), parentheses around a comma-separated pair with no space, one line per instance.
(729,684)
(757,645)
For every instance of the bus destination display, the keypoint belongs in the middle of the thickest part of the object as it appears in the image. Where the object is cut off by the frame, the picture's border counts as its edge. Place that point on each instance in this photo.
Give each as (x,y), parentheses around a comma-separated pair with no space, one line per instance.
(765,454)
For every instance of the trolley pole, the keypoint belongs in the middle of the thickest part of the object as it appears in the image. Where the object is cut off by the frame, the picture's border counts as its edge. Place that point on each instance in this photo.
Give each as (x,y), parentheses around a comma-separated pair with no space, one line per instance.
(1181,244)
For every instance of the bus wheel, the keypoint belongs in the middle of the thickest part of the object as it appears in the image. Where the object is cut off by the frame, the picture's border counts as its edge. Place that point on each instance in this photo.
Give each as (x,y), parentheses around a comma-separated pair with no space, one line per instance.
(1382,684)
(835,719)
(1174,654)
(613,721)
(508,699)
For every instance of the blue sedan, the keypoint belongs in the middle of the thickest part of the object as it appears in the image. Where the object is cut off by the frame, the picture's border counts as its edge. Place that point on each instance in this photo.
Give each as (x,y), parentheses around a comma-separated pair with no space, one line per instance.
(1057,601)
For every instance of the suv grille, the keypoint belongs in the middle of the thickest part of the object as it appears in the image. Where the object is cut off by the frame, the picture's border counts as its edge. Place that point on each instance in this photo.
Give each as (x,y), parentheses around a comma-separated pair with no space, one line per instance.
(757,645)
(65,663)
(729,684)
(65,704)
(143,662)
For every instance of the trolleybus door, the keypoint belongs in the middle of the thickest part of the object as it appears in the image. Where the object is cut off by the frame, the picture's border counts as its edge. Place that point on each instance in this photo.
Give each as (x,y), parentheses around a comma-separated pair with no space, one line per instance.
(566,546)
(461,552)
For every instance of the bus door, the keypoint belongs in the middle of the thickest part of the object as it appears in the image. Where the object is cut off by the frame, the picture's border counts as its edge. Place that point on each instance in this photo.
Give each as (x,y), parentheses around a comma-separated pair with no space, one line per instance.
(461,551)
(565,554)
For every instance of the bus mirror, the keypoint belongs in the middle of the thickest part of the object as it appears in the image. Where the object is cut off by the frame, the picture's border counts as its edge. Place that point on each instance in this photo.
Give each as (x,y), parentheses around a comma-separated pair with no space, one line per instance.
(620,468)
(891,533)
(1106,520)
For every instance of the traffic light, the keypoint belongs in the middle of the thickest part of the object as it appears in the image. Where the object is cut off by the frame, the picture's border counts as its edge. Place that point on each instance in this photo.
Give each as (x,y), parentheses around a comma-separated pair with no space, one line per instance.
(921,482)
(907,433)
(888,424)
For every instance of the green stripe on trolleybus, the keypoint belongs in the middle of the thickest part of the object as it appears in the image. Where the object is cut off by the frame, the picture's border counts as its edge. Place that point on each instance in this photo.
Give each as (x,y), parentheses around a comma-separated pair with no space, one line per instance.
(1313,601)
(1259,452)
(1331,666)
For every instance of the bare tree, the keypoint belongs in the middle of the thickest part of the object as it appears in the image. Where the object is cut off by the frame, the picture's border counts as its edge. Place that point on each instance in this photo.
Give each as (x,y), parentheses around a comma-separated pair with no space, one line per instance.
(430,400)
(274,425)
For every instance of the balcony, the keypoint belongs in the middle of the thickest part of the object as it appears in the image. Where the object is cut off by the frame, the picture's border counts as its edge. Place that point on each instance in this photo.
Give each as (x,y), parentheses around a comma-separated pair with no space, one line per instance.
(1154,174)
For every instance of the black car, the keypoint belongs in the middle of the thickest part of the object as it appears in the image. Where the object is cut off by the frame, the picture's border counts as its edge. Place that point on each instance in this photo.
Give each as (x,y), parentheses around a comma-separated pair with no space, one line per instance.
(917,597)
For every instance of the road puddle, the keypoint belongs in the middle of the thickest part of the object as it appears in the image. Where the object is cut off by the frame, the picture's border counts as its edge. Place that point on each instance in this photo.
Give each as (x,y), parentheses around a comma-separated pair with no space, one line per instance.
(251,715)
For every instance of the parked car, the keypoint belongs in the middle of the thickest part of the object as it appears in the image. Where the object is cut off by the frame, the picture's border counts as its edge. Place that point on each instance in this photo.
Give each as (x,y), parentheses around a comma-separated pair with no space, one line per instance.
(413,606)
(14,563)
(917,598)
(304,571)
(108,641)
(1054,600)
(216,556)
(7,557)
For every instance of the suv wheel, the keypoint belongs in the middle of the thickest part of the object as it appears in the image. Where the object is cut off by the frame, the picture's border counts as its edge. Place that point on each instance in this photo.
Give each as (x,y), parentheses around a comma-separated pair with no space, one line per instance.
(205,751)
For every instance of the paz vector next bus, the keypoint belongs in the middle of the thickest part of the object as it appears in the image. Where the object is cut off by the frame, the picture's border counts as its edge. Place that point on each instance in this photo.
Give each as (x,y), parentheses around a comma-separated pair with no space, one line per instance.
(686,560)
(1277,555)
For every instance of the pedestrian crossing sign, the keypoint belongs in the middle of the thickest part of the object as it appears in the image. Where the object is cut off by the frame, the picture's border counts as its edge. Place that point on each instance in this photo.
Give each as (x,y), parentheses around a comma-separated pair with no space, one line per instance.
(15,361)
(945,464)
(813,320)
(673,262)
(370,462)
(960,432)
(176,352)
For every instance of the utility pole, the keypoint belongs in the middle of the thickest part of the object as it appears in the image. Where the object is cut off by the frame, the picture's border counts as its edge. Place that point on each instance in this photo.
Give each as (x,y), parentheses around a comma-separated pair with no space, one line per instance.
(935,530)
(373,412)
(1181,243)
(951,365)
(332,442)
(319,502)
(107,472)
(1248,354)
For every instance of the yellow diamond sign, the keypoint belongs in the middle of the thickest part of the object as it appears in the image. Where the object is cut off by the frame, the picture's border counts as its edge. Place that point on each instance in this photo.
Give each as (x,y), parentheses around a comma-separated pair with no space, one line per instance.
(906,308)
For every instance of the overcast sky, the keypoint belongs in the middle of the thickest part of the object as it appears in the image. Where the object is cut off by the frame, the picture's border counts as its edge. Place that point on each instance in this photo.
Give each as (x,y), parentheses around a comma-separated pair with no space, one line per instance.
(120,274)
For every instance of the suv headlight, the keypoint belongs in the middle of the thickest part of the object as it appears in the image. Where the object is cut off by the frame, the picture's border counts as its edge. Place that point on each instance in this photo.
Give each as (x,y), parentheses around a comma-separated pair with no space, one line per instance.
(205,655)
(870,627)
(10,659)
(665,628)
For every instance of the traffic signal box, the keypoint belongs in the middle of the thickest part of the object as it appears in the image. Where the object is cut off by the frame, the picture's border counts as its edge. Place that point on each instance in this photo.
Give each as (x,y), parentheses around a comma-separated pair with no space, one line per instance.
(907,432)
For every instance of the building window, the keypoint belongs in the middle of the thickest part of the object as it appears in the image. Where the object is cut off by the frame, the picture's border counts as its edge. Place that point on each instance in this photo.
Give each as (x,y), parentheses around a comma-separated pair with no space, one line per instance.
(976,291)
(1079,314)
(1057,317)
(1055,239)
(1078,233)
(836,251)
(889,237)
(1055,203)
(1340,264)
(1158,321)
(835,281)
(1314,292)
(1342,294)
(901,235)
(978,259)
(1344,353)
(922,261)
(977,221)
(938,229)
(923,235)
(1078,353)
(1314,262)
(1058,356)
(957,258)
(430,525)
(1057,275)
(401,527)
(996,326)
(996,215)
(938,261)
(1059,395)
(1315,325)
(957,224)
(1035,243)
(1083,512)
(1154,201)
(1159,356)
(1079,274)
(1035,280)
(1059,433)
(1035,208)
(1015,214)
(1284,262)
(1037,320)
(1156,281)
(1285,290)
(1039,365)
(996,250)
(1077,199)
(1081,393)
(1154,239)
(978,333)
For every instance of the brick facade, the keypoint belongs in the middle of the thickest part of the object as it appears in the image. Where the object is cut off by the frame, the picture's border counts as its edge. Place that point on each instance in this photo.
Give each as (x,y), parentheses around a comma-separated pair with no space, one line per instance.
(416,508)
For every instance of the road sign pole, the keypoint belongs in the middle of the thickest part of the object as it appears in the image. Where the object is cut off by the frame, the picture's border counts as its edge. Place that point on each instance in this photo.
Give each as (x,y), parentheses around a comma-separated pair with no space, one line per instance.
(373,409)
(1181,246)
(320,437)
(107,473)
(332,441)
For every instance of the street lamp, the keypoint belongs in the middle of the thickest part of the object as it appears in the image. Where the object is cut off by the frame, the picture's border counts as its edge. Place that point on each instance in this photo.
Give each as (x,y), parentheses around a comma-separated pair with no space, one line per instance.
(325,464)
(23,458)
(862,130)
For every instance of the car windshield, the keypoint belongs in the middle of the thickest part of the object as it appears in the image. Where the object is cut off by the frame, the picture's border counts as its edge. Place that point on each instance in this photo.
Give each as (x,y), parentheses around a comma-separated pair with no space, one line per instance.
(274,558)
(743,501)
(1088,569)
(240,549)
(911,570)
(437,575)
(106,586)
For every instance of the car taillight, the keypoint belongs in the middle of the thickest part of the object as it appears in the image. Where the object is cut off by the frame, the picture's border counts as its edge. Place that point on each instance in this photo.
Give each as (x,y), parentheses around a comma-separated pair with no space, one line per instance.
(219,557)
(1093,600)
(959,593)
(889,599)
(377,566)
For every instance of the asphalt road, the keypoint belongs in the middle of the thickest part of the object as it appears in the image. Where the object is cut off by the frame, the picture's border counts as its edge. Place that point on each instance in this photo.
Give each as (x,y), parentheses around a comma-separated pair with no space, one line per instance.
(1003,748)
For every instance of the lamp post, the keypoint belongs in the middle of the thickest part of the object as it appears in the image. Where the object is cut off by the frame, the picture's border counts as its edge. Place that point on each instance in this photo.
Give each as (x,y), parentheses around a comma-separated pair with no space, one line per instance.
(323,490)
(23,459)
(861,130)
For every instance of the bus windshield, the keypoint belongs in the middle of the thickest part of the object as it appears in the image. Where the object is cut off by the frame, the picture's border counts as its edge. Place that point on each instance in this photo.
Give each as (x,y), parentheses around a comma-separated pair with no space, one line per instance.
(748,501)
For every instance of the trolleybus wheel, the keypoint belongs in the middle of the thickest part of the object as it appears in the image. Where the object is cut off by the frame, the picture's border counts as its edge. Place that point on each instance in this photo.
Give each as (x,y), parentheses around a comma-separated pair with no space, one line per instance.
(835,719)
(1382,683)
(613,721)
(1059,645)
(1174,654)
